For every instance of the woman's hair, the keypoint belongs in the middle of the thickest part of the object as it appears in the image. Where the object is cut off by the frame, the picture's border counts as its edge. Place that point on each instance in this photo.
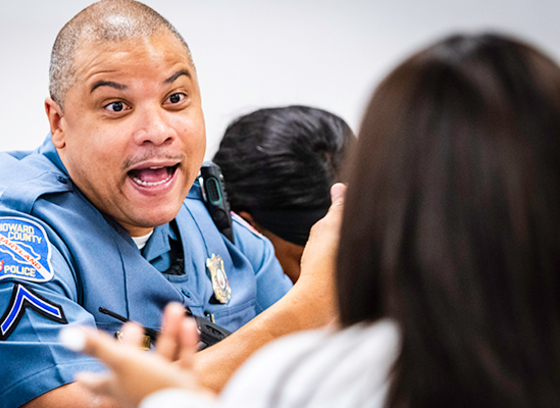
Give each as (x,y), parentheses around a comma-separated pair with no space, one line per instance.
(452,224)
(283,159)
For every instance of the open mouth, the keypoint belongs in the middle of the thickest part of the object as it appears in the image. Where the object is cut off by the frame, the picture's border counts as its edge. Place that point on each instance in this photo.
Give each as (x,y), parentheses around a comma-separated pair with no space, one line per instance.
(152,176)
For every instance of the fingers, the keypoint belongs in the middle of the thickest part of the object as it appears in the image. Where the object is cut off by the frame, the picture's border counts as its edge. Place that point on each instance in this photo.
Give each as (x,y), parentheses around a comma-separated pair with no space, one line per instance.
(189,341)
(91,342)
(168,344)
(134,373)
(132,334)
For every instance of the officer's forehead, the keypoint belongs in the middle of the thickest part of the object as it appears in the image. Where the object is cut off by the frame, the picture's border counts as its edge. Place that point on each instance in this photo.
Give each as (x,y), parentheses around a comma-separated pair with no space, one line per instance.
(94,57)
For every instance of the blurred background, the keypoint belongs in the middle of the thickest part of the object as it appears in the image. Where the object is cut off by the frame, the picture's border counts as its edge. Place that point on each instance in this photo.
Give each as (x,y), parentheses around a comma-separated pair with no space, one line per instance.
(250,54)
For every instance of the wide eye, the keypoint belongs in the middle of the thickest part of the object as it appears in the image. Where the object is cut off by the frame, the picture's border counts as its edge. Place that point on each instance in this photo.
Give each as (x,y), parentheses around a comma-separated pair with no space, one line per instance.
(116,106)
(176,98)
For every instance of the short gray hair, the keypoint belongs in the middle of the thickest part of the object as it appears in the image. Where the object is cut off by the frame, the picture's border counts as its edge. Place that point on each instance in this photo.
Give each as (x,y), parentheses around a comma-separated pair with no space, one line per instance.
(106,20)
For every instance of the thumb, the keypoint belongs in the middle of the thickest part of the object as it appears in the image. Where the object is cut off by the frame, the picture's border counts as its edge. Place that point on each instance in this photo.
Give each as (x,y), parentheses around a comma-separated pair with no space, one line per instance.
(338,191)
(334,215)
(189,341)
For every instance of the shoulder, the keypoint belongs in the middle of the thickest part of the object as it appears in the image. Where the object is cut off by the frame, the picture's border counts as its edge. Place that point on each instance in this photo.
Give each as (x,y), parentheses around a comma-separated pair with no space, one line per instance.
(326,368)
(26,176)
(241,223)
(247,240)
(25,165)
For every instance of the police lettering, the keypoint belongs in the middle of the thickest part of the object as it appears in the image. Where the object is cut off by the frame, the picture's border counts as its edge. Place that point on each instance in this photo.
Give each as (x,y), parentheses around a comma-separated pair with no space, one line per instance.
(19,270)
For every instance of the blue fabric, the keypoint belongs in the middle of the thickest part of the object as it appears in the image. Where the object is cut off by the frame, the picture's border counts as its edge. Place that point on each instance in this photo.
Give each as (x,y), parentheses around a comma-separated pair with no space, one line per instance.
(96,264)
(158,246)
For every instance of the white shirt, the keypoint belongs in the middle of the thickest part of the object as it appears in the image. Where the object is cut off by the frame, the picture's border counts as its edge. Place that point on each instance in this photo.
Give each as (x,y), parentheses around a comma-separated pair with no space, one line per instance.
(313,369)
(141,241)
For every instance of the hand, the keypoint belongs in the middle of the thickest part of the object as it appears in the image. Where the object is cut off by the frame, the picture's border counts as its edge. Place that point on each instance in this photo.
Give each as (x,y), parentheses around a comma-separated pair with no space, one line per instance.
(320,251)
(318,262)
(135,373)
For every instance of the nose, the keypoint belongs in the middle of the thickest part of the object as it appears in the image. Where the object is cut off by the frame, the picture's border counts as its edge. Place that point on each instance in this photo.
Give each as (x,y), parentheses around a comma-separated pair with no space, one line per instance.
(153,127)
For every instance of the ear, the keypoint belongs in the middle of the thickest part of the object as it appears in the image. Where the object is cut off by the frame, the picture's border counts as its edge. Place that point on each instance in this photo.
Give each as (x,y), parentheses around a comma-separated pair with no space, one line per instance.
(55,116)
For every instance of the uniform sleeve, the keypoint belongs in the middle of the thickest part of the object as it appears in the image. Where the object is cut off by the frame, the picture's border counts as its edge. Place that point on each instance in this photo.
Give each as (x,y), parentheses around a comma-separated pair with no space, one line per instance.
(272,283)
(38,297)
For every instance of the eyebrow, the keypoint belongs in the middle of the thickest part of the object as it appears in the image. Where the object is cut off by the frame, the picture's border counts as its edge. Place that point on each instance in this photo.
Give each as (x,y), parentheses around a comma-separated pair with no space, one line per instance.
(176,75)
(112,84)
(118,86)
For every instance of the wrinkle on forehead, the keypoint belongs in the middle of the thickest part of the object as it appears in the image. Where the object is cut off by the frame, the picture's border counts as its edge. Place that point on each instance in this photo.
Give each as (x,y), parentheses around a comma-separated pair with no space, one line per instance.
(162,49)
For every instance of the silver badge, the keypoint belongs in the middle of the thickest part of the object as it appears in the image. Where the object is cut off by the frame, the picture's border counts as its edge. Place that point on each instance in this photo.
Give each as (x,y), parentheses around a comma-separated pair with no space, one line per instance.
(220,283)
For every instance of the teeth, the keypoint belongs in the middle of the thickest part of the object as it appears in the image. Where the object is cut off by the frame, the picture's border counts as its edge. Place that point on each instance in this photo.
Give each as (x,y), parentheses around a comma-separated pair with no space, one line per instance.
(150,184)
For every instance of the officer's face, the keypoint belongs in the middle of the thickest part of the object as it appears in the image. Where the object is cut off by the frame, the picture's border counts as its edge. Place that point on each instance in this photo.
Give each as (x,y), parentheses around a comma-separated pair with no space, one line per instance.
(132,133)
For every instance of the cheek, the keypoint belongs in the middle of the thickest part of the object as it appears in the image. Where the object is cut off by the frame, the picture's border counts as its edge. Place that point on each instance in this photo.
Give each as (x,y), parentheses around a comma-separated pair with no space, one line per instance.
(95,152)
(193,136)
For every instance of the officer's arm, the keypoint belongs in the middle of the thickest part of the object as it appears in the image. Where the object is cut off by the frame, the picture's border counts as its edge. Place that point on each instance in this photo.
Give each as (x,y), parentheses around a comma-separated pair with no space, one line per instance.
(309,304)
(38,298)
(72,395)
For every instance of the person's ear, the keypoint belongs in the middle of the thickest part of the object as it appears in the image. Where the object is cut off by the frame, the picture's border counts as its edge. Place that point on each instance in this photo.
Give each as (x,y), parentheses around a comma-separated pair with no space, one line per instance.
(55,116)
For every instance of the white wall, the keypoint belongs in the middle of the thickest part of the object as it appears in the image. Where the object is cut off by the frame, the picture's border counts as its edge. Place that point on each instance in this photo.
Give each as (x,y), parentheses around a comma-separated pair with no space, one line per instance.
(259,53)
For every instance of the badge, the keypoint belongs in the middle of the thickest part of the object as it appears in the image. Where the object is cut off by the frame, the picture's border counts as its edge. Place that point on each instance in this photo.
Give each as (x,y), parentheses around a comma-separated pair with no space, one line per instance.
(24,298)
(25,251)
(220,283)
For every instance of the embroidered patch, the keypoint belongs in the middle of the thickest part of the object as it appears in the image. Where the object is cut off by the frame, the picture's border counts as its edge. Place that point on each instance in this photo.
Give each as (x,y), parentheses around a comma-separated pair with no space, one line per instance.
(25,250)
(23,298)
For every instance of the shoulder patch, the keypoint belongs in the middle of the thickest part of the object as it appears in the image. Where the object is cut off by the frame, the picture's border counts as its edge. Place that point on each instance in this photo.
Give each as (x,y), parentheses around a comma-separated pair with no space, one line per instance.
(25,250)
(240,220)
(23,298)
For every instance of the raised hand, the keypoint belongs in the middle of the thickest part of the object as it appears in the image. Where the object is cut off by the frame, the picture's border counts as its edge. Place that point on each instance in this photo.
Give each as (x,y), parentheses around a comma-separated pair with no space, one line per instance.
(133,373)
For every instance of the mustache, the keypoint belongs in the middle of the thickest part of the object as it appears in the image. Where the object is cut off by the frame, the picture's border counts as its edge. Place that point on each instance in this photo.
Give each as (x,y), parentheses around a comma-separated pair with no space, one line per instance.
(151,155)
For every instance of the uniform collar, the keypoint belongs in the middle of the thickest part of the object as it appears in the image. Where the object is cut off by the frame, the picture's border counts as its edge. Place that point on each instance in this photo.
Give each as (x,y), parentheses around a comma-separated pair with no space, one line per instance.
(158,244)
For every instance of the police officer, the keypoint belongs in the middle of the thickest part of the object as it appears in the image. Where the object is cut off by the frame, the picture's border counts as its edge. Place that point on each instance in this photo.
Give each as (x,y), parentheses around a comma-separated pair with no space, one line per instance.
(104,223)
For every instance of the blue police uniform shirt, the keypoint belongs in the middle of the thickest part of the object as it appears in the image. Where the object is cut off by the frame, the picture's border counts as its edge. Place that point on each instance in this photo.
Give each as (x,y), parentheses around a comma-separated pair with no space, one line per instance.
(61,260)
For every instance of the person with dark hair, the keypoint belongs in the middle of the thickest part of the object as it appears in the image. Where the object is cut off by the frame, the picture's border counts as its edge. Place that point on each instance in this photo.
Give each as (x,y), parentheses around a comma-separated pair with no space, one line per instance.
(448,264)
(279,165)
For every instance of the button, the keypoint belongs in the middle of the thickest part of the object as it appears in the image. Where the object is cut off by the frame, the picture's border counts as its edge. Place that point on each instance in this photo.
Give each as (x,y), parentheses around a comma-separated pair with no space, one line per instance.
(63,180)
(187,294)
